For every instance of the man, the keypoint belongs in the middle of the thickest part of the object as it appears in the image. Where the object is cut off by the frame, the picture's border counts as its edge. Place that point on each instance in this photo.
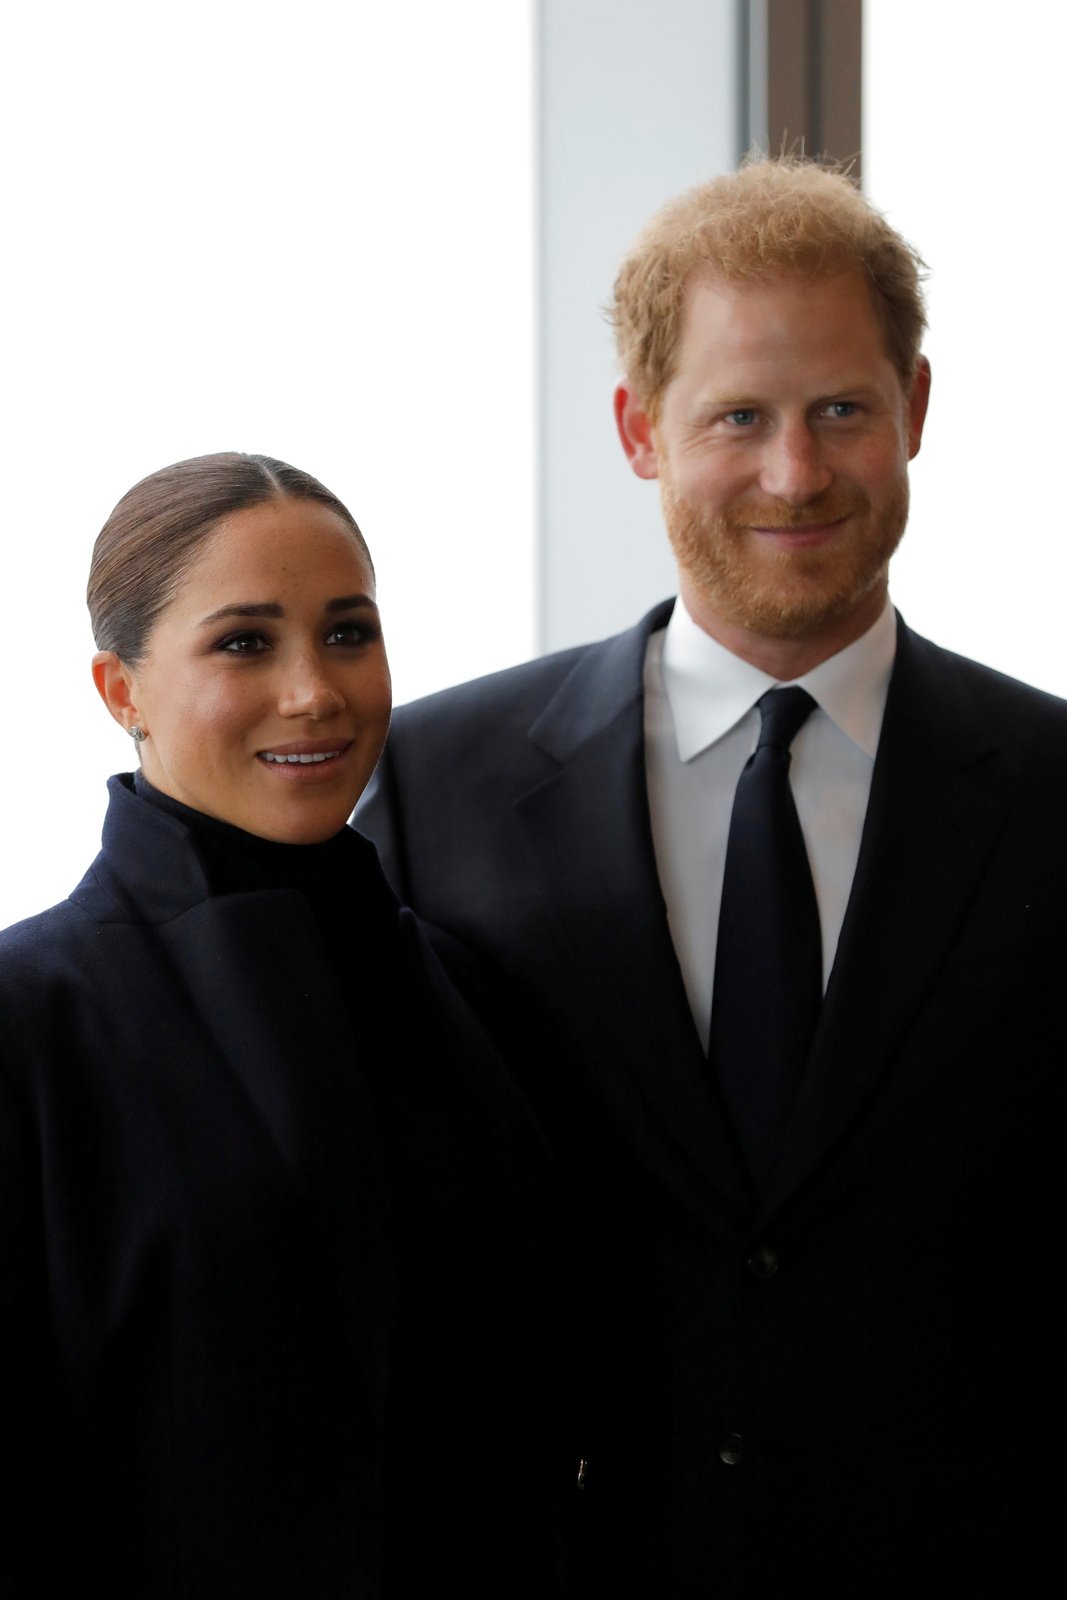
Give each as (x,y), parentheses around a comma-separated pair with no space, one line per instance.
(796,1023)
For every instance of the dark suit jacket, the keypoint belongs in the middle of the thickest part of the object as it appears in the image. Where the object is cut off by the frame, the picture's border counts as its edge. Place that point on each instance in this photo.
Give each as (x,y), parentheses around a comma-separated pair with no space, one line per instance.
(271,1279)
(857,1386)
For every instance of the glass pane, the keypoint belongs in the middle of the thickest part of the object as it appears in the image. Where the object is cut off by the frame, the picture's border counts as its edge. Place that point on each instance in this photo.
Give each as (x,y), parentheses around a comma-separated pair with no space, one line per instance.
(962,109)
(232,225)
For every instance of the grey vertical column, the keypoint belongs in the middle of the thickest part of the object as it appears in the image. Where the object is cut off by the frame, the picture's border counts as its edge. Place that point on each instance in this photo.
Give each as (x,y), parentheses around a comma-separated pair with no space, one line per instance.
(803,75)
(635,102)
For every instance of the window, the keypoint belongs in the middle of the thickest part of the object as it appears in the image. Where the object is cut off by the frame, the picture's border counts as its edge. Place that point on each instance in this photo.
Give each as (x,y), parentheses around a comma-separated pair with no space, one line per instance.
(960,150)
(236,225)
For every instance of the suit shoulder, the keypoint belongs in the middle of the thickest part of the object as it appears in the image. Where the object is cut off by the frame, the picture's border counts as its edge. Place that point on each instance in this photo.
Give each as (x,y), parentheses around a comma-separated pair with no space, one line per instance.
(515,697)
(517,691)
(455,730)
(996,696)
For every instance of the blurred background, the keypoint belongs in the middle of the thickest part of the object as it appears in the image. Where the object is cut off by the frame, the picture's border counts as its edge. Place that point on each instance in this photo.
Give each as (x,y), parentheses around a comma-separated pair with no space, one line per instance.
(375,240)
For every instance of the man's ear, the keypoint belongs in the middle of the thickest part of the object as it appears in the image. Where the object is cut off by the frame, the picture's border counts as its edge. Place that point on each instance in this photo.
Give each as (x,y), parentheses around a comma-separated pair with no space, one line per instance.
(116,686)
(636,432)
(918,401)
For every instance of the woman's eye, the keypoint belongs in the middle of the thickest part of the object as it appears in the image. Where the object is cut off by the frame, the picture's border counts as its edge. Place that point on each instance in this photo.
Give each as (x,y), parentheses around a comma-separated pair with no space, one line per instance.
(352,633)
(243,644)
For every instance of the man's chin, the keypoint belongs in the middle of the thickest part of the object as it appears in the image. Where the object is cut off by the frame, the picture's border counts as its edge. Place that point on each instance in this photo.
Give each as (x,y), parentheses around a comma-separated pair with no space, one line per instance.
(803,616)
(793,609)
(799,595)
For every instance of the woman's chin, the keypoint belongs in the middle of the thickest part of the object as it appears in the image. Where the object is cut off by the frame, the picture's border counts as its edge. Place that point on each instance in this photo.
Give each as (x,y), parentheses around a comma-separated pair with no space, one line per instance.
(306,829)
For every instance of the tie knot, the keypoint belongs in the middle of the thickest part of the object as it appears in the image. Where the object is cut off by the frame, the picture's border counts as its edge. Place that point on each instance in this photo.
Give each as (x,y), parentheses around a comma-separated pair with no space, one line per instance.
(784,711)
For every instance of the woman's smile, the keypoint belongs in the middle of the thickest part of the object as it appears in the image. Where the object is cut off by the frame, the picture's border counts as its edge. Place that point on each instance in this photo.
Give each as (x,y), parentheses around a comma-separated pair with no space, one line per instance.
(307,761)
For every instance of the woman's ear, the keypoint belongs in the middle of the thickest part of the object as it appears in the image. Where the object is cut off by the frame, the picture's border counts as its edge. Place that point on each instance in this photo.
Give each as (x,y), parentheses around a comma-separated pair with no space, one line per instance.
(117,688)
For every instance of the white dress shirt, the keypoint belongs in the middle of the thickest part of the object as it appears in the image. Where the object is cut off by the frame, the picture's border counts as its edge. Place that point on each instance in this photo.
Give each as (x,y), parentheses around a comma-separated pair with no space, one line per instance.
(701,726)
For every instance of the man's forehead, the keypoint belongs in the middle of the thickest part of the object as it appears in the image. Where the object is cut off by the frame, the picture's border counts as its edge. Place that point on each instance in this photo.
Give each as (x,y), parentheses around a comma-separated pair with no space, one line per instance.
(775,315)
(841,277)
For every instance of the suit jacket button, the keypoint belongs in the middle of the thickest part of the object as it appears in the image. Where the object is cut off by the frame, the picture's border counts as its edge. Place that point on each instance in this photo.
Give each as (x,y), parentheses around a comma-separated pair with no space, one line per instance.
(730,1449)
(763,1263)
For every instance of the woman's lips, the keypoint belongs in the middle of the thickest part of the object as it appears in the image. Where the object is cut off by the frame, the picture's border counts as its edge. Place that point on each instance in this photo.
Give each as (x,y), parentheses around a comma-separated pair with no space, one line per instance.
(306,760)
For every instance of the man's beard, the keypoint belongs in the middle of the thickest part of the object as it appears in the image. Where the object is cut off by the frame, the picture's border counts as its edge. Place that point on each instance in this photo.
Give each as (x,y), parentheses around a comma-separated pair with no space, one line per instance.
(778,593)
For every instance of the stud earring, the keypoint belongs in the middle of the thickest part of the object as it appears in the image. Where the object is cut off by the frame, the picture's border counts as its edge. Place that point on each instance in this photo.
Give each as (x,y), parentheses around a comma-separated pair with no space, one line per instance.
(138,735)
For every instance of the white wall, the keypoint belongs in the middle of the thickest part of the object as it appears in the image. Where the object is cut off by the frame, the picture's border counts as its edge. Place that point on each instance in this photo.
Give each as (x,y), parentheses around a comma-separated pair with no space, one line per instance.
(239,224)
(636,103)
(961,150)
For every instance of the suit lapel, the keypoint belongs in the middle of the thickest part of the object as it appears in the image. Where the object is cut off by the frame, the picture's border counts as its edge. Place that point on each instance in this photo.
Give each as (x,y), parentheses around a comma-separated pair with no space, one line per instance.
(590,836)
(935,810)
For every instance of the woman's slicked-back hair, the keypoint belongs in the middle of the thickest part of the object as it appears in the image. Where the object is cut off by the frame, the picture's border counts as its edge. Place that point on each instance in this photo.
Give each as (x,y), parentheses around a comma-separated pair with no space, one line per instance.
(150,540)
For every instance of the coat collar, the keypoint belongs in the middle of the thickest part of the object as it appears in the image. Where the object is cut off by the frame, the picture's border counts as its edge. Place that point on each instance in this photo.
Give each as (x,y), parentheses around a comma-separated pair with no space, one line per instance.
(252,967)
(709,689)
(147,870)
(151,867)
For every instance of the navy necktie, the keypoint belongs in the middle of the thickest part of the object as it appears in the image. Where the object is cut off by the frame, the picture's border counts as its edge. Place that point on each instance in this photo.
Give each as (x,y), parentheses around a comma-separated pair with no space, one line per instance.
(768,963)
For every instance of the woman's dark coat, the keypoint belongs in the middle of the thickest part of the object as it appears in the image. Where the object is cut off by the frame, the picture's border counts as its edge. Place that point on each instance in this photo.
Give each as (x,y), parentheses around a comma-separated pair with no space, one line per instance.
(272,1281)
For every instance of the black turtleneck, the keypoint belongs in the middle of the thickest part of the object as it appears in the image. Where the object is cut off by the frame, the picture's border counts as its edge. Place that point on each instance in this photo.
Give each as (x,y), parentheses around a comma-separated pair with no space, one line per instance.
(351,904)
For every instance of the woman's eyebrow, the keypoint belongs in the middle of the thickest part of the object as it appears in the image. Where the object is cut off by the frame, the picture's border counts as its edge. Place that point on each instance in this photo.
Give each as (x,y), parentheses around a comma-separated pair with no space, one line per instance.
(273,608)
(245,608)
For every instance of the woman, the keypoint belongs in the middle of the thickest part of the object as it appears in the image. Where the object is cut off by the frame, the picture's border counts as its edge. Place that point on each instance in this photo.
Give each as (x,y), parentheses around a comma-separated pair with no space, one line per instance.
(271,1250)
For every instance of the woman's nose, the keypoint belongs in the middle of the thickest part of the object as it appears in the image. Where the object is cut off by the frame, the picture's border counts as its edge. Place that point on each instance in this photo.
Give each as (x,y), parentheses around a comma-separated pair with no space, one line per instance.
(308,690)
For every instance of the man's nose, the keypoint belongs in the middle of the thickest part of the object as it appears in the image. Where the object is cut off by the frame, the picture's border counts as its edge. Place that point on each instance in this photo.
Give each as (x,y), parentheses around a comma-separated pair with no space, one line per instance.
(308,690)
(794,468)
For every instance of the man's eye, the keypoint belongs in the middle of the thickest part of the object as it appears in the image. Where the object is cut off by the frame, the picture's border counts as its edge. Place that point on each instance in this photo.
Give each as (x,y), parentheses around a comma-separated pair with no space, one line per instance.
(841,408)
(743,418)
(243,644)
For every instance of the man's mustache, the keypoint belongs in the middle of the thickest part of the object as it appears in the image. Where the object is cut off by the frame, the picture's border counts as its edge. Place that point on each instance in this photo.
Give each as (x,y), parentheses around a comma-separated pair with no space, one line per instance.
(792,518)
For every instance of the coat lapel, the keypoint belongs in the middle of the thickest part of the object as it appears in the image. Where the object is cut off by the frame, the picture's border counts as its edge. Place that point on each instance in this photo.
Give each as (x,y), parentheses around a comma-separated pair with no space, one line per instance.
(255,975)
(258,978)
(252,967)
(935,810)
(590,836)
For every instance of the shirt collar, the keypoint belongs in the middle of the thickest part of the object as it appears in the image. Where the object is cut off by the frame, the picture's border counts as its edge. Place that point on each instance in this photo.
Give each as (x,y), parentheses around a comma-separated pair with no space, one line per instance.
(709,689)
